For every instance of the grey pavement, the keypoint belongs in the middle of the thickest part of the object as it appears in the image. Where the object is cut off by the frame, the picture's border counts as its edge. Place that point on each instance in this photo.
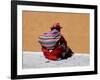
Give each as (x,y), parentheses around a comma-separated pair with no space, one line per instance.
(37,60)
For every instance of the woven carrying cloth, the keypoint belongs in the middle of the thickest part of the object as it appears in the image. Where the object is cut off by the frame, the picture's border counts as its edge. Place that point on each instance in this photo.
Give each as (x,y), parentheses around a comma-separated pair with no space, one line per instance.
(49,39)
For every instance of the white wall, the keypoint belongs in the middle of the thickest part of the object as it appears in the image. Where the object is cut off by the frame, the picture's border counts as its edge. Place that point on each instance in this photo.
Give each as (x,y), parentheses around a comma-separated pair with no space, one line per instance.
(5,35)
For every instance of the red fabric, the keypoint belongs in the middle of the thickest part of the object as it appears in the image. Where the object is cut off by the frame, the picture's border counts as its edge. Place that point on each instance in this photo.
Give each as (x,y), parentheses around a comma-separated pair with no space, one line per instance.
(57,52)
(53,55)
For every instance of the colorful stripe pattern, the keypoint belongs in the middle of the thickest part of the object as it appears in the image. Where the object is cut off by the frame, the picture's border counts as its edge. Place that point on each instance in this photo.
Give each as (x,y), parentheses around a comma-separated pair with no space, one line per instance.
(49,39)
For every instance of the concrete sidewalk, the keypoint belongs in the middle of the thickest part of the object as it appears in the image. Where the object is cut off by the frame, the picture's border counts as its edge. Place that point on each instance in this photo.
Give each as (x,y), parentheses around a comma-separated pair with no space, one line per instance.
(37,60)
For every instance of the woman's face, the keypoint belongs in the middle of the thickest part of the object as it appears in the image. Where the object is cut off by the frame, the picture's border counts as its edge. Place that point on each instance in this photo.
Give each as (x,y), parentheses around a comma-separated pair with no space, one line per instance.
(57,28)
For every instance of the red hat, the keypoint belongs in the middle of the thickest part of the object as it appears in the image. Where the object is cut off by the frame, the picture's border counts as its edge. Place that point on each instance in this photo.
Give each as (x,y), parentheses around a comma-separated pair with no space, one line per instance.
(56,26)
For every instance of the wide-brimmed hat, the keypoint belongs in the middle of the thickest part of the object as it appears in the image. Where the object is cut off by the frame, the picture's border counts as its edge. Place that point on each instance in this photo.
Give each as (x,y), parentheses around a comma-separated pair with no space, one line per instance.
(56,26)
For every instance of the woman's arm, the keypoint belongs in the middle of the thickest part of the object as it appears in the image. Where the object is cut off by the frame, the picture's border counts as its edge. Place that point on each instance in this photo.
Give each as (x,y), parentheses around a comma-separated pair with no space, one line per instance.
(63,41)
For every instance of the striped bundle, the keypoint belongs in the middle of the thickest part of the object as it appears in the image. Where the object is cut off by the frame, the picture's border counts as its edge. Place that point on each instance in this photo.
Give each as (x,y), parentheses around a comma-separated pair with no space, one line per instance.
(50,39)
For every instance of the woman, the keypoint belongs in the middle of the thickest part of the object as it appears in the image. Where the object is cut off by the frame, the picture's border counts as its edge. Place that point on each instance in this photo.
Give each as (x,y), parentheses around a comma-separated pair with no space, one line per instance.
(60,51)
